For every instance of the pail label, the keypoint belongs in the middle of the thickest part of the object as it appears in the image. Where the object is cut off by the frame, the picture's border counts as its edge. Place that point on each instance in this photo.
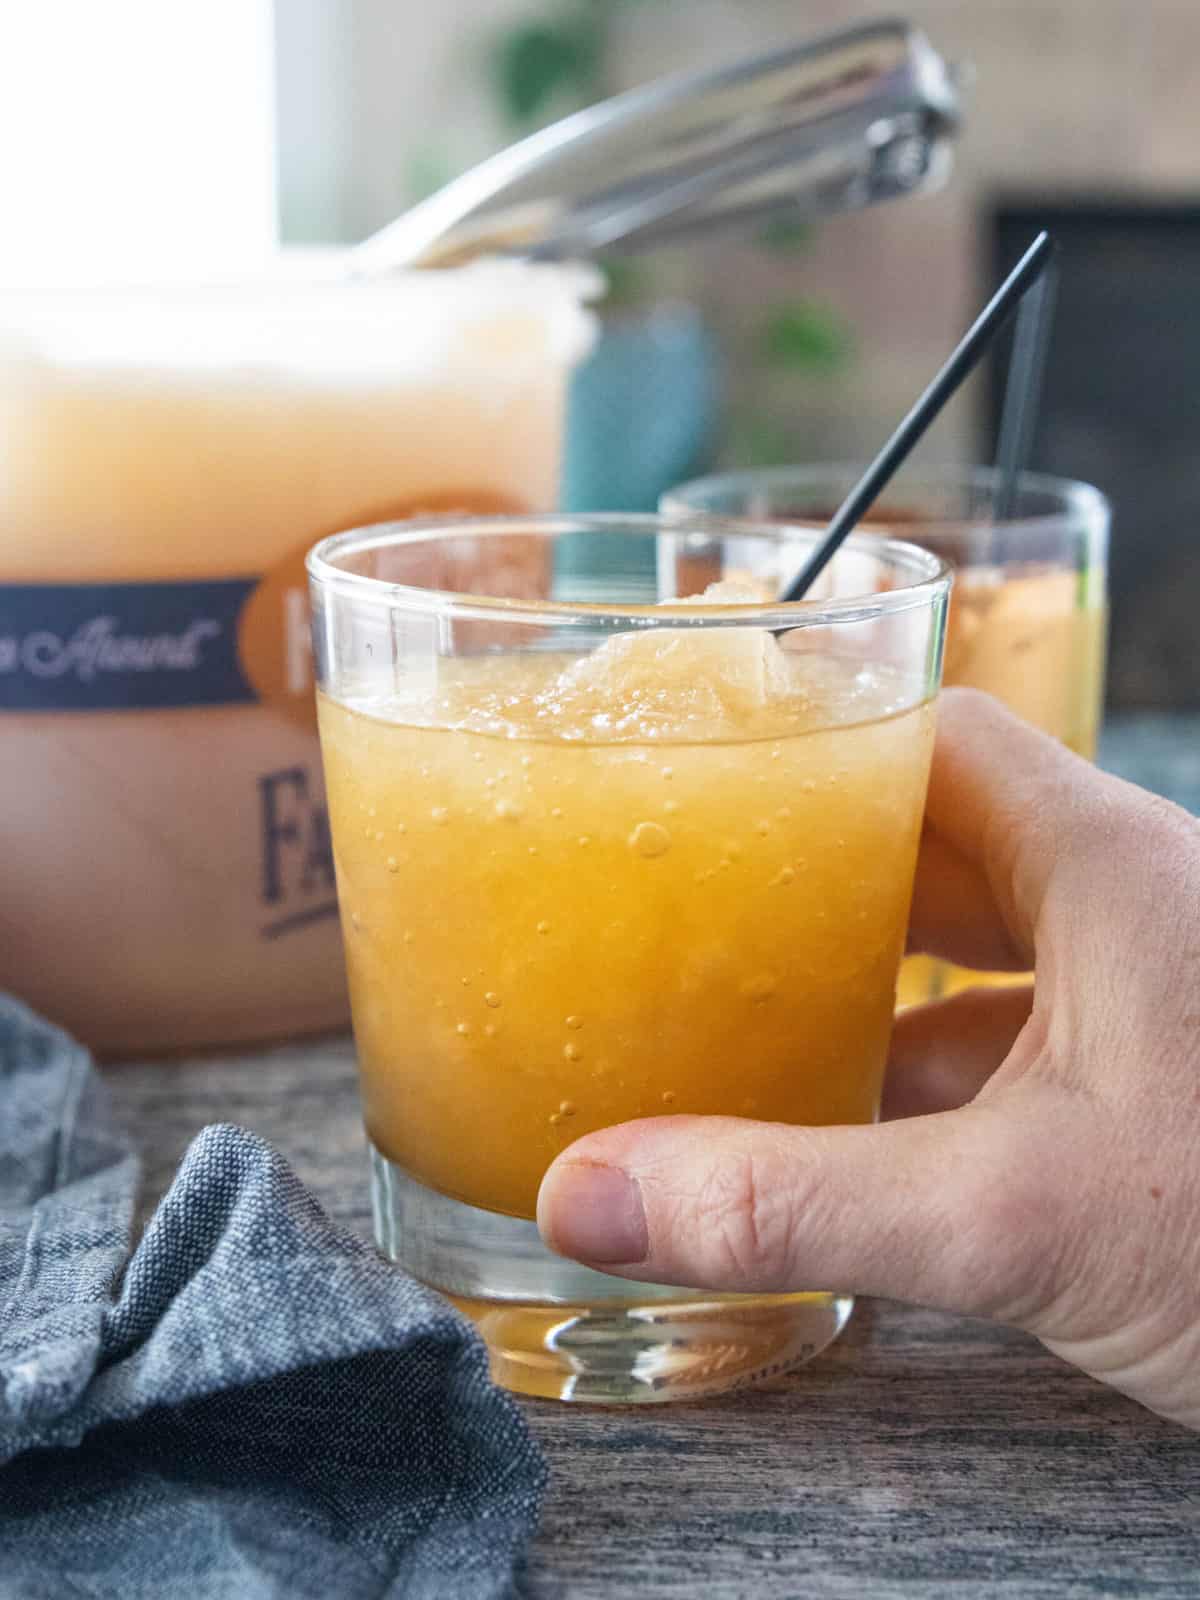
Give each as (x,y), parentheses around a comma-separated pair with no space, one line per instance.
(165,645)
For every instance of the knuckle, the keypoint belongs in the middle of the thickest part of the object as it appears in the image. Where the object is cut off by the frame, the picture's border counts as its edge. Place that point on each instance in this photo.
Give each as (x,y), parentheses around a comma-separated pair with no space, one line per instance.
(746,1214)
(1167,821)
(972,705)
(1005,1252)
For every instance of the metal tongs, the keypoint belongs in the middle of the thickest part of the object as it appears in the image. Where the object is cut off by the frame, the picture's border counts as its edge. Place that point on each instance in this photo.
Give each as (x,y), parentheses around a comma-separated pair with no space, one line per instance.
(831,125)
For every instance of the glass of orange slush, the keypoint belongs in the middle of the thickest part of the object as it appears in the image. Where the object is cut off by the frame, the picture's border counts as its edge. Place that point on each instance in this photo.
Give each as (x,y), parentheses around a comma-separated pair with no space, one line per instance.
(599,862)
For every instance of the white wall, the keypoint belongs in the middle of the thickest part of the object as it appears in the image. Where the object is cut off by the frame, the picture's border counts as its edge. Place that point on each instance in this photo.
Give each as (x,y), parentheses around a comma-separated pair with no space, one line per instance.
(138,137)
(367,90)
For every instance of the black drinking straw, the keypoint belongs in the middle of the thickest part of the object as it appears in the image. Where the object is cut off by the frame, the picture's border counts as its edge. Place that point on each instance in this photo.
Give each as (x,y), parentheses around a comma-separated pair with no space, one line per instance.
(893,455)
(1023,392)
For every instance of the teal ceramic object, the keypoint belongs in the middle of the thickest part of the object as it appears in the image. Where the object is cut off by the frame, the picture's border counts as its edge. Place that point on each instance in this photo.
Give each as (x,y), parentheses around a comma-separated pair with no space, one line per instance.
(643,416)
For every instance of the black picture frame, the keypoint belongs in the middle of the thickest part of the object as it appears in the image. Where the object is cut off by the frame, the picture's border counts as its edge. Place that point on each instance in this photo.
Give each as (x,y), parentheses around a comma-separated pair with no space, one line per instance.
(1121,409)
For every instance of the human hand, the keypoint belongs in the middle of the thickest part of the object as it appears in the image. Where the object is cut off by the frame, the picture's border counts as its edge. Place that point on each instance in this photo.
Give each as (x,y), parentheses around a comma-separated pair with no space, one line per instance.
(1043,1165)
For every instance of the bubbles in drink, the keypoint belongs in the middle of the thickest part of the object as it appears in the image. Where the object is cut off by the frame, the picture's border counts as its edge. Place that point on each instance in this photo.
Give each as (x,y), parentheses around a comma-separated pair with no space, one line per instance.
(574,1023)
(650,839)
(439,815)
(572,1052)
(392,864)
(463,1029)
(760,988)
(567,1108)
(783,877)
(669,1097)
(543,927)
(491,999)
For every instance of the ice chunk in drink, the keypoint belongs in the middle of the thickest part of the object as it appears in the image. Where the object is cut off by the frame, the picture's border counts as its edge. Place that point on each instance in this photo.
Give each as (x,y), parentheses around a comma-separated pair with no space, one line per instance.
(709,676)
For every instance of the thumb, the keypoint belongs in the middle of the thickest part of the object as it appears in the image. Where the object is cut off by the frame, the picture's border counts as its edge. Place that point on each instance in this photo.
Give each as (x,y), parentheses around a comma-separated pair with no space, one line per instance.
(936,1209)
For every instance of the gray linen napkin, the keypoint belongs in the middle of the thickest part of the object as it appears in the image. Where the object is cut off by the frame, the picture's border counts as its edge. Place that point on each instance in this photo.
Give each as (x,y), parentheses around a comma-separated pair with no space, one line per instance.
(251,1405)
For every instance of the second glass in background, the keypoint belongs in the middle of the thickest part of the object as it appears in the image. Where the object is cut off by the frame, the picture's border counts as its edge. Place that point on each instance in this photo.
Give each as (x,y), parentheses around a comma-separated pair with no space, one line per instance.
(1029,613)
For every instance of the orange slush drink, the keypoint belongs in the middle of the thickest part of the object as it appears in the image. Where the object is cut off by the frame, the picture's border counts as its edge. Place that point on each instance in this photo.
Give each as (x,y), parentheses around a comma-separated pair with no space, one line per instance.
(669,877)
(1028,640)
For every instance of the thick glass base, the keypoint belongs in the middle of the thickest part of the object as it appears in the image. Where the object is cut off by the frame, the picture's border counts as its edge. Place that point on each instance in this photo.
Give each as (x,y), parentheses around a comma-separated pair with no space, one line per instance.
(562,1331)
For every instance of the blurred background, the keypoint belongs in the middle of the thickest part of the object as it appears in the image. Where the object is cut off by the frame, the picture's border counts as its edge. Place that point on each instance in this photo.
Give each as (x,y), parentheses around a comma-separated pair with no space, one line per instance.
(177,135)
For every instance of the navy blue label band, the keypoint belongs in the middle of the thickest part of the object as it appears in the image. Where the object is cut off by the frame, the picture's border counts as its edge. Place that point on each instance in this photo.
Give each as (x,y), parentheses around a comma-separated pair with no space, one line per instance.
(122,646)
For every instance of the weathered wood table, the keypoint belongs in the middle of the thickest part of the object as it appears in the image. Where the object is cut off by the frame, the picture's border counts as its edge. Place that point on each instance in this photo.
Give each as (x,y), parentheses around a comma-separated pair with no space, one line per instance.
(921,1455)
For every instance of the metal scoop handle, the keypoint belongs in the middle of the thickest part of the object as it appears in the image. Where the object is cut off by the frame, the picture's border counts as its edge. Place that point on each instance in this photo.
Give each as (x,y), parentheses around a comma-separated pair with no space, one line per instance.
(834,124)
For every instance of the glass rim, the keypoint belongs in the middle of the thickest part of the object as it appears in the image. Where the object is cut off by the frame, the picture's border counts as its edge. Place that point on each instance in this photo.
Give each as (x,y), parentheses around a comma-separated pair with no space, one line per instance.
(1079,499)
(934,580)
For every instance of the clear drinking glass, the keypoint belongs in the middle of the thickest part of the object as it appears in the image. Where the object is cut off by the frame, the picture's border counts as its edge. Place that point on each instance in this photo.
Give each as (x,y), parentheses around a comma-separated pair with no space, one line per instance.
(1029,615)
(600,862)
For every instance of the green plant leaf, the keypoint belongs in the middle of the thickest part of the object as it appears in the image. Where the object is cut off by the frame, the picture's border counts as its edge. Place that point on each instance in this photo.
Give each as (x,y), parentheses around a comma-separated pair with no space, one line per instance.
(539,62)
(756,439)
(805,337)
(783,235)
(612,8)
(629,281)
(426,170)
